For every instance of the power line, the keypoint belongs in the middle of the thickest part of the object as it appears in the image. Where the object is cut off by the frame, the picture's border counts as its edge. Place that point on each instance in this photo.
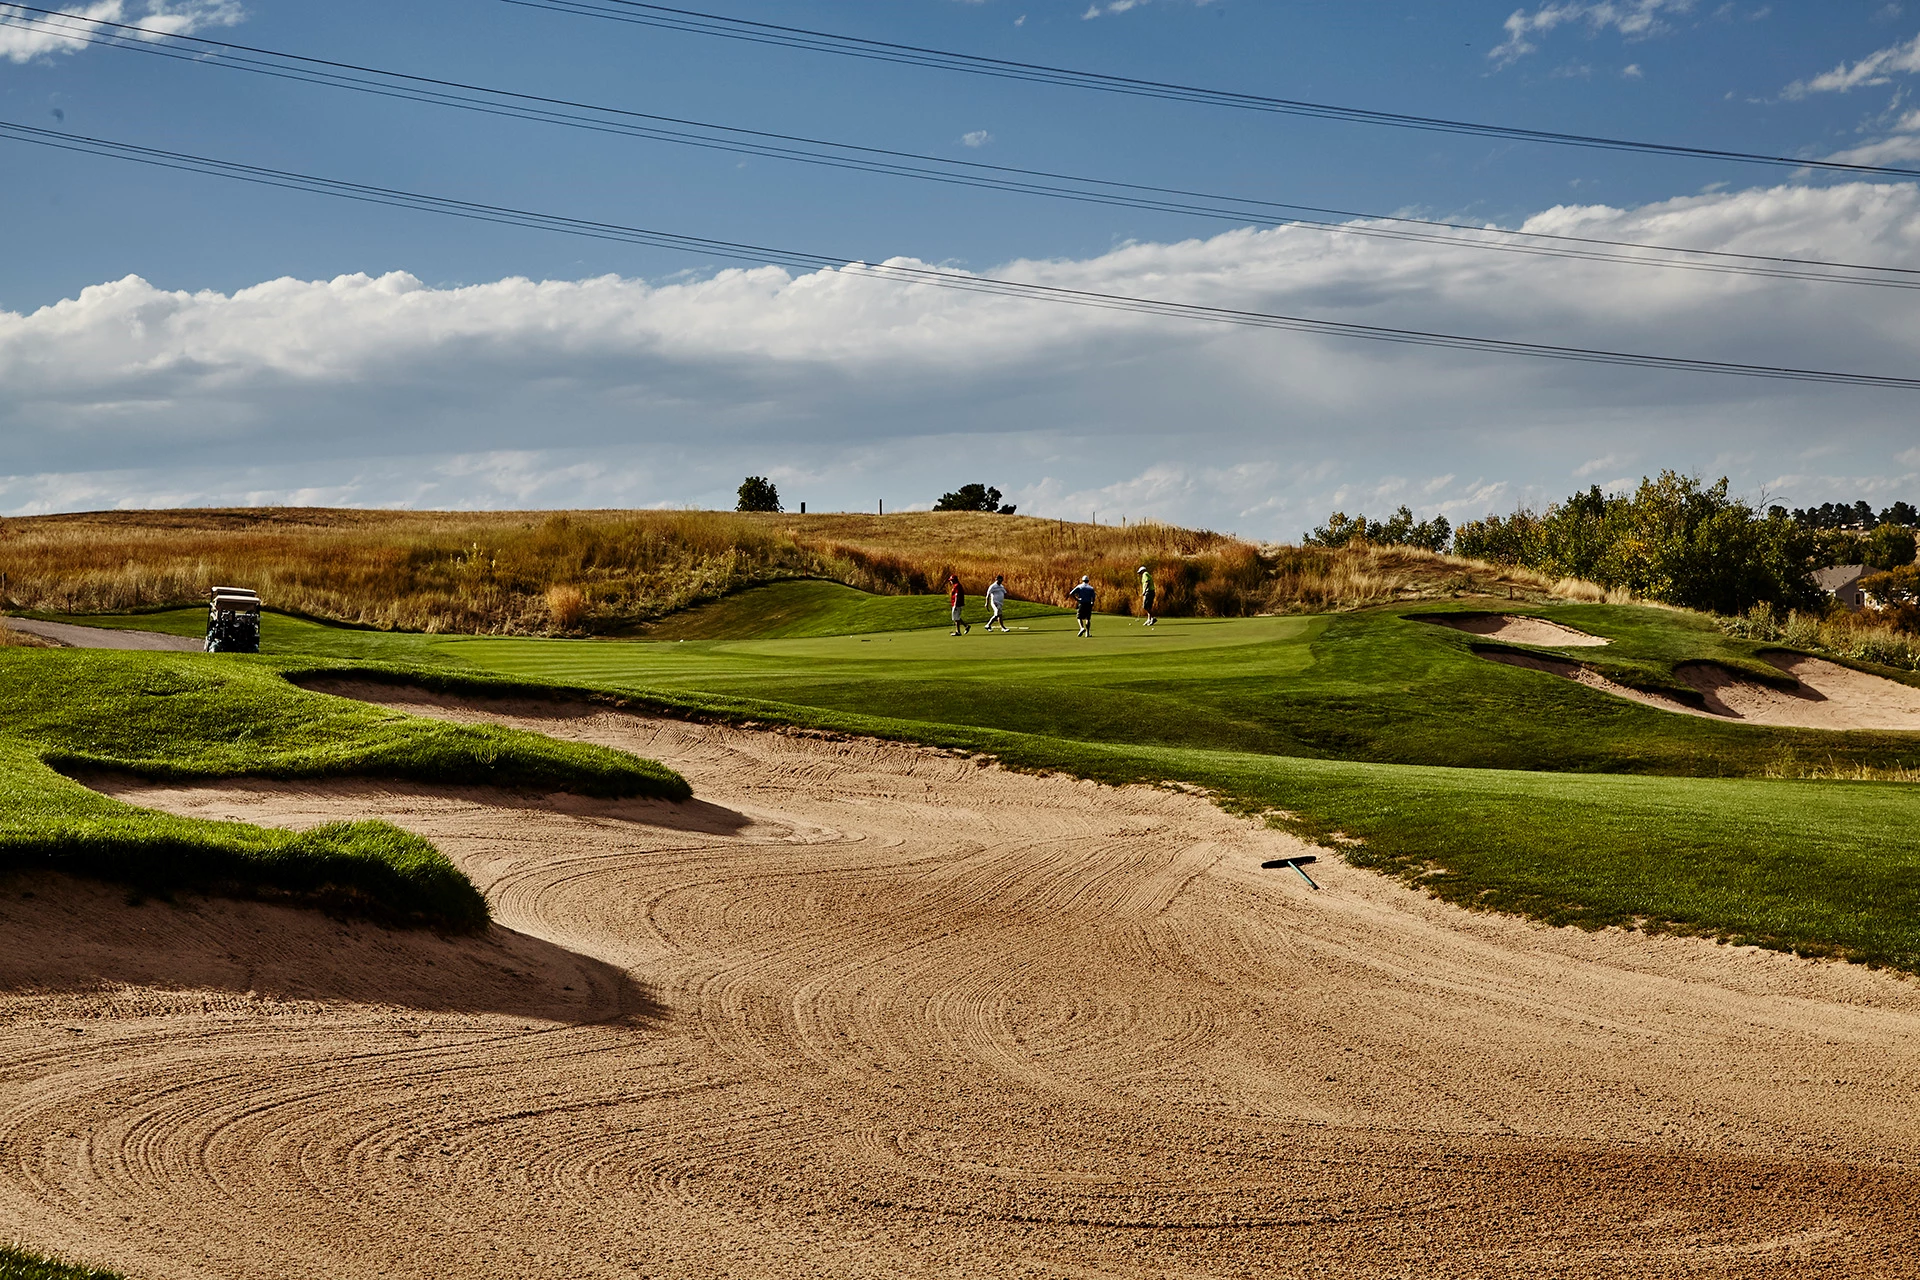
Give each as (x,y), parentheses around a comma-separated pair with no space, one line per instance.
(904,273)
(848,156)
(711,24)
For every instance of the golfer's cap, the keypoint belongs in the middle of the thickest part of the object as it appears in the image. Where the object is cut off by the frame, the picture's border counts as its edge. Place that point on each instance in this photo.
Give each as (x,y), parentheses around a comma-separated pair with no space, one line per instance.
(1141,569)
(1083,577)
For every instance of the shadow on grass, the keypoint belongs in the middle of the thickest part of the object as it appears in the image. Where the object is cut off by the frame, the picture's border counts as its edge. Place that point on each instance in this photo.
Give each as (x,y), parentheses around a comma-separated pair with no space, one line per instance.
(79,947)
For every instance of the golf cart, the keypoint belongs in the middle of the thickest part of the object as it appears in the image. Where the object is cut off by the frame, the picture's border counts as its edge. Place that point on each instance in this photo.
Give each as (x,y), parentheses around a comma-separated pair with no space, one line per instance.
(233,621)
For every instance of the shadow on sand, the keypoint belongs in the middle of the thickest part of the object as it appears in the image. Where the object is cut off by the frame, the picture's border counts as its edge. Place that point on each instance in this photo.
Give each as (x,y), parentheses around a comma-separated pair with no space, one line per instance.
(79,943)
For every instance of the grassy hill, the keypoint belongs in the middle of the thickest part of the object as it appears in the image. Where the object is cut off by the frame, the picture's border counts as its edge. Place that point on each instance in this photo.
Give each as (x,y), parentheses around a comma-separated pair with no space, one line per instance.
(613,572)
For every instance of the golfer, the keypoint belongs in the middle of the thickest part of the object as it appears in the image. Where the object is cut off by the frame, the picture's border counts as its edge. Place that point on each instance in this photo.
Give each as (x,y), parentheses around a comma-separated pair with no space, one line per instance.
(1146,594)
(957,597)
(1082,597)
(996,599)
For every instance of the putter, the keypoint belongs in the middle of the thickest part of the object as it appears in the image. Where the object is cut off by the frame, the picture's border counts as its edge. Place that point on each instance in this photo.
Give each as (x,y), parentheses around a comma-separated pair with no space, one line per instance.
(1295,864)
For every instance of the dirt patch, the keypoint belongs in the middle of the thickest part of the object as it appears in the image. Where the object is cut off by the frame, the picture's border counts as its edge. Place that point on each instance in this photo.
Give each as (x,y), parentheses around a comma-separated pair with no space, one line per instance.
(911,1016)
(70,636)
(1827,695)
(1514,629)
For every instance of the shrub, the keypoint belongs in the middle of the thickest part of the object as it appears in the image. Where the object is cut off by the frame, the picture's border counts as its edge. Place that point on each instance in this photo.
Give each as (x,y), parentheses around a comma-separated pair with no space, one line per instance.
(567,606)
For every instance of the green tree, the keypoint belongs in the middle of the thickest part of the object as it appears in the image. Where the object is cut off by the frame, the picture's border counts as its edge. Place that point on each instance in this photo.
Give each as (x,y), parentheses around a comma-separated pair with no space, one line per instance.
(1888,547)
(973,497)
(757,493)
(1398,530)
(1672,539)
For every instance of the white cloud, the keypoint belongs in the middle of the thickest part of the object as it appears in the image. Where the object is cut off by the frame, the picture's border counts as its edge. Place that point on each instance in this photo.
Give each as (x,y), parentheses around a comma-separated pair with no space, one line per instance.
(25,36)
(618,392)
(1878,67)
(977,138)
(1097,9)
(1635,19)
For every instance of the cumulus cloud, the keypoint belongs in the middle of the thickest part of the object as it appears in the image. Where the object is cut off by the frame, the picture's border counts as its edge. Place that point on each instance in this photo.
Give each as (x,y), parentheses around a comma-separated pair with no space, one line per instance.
(976,138)
(1878,67)
(25,36)
(1634,19)
(379,390)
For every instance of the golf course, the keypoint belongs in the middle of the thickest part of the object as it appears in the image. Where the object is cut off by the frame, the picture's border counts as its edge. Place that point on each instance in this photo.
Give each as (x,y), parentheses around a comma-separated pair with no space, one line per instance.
(800,931)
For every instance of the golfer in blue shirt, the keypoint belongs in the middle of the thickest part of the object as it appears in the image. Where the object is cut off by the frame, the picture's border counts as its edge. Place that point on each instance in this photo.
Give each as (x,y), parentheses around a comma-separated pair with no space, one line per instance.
(1082,597)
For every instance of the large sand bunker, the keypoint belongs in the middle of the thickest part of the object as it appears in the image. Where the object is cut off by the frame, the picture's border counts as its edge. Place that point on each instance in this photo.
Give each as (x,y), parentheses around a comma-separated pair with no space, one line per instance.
(875,1011)
(1827,696)
(1514,629)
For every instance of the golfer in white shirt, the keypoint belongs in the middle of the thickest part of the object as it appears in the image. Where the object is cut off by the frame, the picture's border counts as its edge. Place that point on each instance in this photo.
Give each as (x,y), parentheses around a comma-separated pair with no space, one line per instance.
(997,596)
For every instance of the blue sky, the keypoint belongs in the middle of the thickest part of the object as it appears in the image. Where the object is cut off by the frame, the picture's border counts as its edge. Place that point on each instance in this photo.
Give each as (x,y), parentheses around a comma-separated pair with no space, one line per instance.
(277,346)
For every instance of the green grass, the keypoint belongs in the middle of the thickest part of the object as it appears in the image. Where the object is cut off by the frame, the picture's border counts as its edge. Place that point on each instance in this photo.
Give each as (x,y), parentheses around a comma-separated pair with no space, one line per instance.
(1377,686)
(805,608)
(24,1264)
(1491,785)
(192,716)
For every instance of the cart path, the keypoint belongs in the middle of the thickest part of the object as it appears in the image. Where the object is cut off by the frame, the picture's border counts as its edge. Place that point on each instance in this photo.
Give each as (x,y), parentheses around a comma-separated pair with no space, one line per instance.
(867,1010)
(78,637)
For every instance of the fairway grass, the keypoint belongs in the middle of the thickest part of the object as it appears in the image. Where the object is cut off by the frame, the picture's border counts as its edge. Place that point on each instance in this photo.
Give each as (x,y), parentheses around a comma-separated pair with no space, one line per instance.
(1489,785)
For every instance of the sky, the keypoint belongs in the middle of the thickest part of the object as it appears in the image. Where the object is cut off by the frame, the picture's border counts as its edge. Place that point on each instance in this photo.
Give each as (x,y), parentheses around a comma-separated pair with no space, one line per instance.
(171,338)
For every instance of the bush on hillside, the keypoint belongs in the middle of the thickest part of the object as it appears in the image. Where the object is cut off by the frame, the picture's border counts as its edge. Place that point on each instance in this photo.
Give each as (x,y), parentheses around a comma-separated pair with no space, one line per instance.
(1673,539)
(973,497)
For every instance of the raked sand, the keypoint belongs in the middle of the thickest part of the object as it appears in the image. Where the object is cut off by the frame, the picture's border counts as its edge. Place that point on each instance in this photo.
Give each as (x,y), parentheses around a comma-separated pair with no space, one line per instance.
(866,1010)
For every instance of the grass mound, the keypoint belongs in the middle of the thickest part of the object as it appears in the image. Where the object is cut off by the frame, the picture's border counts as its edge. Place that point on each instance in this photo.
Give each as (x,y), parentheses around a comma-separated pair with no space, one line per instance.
(24,1264)
(169,716)
(186,716)
(49,822)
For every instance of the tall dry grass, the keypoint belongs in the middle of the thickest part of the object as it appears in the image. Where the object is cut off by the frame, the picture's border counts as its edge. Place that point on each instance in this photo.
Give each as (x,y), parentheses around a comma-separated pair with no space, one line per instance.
(575,571)
(1860,636)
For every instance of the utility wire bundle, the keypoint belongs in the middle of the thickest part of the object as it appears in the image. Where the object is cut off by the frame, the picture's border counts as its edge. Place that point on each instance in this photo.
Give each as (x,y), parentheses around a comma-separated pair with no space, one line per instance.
(198,51)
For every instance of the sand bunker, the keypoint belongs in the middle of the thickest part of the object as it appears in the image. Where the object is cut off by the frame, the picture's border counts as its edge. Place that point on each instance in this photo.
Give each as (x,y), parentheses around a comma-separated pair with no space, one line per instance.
(1829,696)
(875,1011)
(1513,629)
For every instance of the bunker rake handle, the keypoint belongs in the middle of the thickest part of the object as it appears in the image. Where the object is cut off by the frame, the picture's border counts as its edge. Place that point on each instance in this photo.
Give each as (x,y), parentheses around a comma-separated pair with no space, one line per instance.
(1295,863)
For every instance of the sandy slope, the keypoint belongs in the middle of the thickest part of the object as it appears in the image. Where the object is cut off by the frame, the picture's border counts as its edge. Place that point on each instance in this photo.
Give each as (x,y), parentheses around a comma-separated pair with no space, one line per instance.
(1827,696)
(873,1011)
(1515,629)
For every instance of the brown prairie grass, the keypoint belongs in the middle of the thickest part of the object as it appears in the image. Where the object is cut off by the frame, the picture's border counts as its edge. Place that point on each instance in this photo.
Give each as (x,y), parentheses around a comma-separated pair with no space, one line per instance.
(570,572)
(1861,636)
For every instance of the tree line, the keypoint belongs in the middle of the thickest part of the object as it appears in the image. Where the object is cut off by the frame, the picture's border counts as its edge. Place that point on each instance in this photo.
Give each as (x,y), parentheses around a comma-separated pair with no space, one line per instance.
(1674,539)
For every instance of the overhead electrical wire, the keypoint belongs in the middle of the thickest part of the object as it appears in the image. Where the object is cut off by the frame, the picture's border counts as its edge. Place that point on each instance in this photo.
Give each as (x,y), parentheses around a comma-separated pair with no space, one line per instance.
(936,277)
(848,156)
(696,22)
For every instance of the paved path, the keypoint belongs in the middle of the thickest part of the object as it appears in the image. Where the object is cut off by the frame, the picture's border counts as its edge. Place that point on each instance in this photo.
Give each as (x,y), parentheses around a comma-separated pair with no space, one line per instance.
(74,637)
